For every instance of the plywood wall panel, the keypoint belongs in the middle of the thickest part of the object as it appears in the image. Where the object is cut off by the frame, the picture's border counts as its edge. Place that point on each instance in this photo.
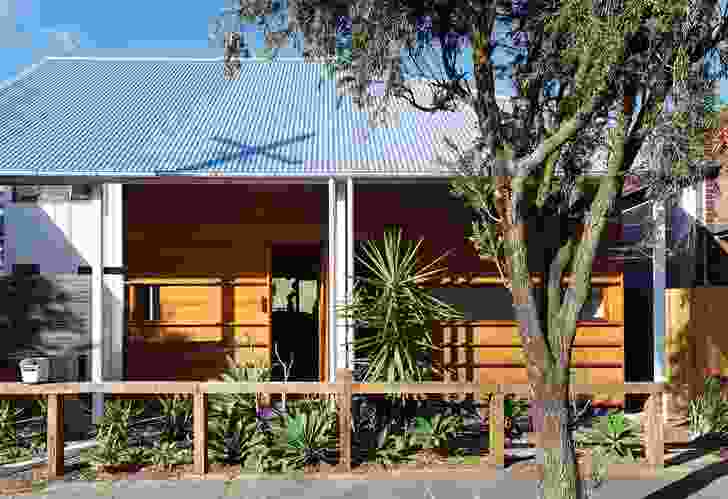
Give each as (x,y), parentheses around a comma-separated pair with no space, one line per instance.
(190,303)
(251,304)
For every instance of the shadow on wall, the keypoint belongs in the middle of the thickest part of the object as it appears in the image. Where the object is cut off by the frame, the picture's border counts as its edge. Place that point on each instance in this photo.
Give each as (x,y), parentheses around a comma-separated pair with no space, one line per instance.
(43,234)
(41,316)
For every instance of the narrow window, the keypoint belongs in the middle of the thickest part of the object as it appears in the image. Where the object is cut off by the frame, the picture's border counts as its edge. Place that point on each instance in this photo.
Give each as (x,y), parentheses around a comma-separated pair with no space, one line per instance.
(149,302)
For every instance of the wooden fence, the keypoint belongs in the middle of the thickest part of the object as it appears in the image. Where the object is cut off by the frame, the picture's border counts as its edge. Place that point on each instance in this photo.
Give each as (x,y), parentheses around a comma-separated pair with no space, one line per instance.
(342,389)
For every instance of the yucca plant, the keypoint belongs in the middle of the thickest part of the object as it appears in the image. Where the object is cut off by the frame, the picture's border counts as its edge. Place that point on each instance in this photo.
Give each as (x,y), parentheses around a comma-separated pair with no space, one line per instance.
(708,414)
(614,434)
(390,301)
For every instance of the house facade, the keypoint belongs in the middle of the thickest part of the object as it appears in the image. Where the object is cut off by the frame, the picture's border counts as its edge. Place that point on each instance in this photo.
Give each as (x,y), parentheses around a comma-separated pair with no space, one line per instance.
(204,212)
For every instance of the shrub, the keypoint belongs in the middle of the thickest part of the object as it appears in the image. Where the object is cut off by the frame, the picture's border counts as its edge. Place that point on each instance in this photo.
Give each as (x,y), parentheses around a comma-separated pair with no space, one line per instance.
(307,435)
(708,414)
(396,449)
(238,429)
(434,432)
(8,435)
(613,433)
(112,433)
(177,416)
(166,454)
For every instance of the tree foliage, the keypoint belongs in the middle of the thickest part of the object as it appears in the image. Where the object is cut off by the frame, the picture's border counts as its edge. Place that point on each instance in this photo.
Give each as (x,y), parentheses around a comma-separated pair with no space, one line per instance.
(560,156)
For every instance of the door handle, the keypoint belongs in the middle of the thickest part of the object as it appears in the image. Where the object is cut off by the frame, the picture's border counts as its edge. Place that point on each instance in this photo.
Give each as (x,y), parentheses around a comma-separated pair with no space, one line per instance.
(264,305)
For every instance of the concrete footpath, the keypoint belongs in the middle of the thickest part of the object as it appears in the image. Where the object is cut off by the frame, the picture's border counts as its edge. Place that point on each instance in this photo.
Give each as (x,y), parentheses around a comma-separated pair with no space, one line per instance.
(710,482)
(502,486)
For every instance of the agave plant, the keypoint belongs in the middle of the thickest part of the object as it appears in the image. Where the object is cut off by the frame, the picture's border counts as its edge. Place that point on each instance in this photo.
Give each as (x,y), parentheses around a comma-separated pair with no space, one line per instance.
(177,414)
(708,414)
(167,454)
(238,442)
(39,440)
(8,413)
(308,436)
(614,434)
(434,432)
(238,428)
(396,449)
(113,432)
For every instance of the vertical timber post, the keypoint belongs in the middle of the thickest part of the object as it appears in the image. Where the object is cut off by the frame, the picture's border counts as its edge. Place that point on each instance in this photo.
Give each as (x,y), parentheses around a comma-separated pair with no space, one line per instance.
(343,380)
(199,433)
(496,427)
(655,432)
(55,436)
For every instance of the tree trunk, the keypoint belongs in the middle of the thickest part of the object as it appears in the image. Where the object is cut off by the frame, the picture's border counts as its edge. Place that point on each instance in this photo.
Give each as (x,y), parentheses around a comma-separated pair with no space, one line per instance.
(555,445)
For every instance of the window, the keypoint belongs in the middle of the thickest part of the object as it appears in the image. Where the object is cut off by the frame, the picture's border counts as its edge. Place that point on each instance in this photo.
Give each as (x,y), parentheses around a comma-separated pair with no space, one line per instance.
(26,193)
(594,306)
(149,302)
(496,304)
(488,303)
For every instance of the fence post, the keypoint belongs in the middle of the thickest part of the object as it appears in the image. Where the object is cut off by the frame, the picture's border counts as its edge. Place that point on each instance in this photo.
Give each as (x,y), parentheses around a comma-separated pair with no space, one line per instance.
(497,427)
(344,379)
(55,436)
(655,431)
(199,433)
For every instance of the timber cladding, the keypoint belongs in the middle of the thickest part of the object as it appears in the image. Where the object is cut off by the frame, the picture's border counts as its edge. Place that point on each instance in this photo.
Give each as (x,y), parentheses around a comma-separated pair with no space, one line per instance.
(484,349)
(490,351)
(208,250)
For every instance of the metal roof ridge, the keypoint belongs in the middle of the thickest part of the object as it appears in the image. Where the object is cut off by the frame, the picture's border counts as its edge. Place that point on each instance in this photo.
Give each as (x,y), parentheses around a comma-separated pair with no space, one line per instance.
(23,74)
(172,59)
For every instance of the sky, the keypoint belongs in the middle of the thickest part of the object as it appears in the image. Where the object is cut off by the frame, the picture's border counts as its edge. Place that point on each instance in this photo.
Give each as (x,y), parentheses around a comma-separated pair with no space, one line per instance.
(32,29)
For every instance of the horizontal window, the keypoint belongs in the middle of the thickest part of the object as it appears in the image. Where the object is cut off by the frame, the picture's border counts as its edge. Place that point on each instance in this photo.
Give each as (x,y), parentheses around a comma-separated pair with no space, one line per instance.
(496,304)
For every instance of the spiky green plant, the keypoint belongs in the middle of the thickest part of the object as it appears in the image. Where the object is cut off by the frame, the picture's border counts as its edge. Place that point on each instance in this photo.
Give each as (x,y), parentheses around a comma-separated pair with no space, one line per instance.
(177,414)
(435,431)
(396,449)
(8,435)
(708,413)
(113,432)
(237,429)
(39,440)
(308,435)
(614,433)
(391,301)
(166,454)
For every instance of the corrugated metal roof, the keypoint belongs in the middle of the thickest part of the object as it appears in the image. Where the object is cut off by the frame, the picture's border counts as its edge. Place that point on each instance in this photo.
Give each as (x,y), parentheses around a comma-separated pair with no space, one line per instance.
(154,117)
(142,117)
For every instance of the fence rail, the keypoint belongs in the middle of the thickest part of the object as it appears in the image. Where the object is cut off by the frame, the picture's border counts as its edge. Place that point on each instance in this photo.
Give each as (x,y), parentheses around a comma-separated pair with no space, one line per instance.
(344,388)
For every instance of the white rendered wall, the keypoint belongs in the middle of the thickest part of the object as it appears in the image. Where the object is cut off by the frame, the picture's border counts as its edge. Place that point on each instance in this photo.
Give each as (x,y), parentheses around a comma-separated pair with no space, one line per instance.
(55,236)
